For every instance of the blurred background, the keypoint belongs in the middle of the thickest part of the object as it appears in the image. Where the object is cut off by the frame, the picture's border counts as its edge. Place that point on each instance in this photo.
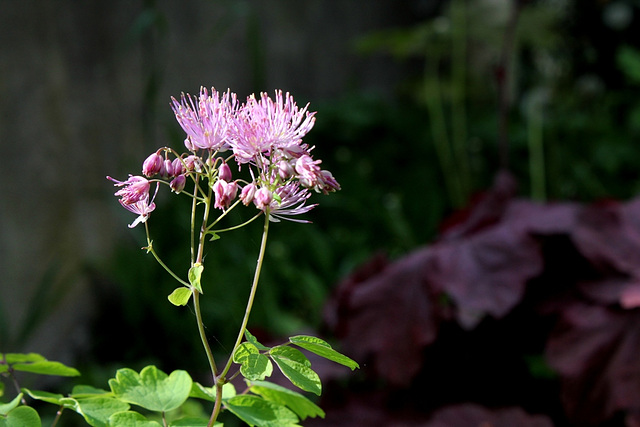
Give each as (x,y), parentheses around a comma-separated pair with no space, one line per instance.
(420,103)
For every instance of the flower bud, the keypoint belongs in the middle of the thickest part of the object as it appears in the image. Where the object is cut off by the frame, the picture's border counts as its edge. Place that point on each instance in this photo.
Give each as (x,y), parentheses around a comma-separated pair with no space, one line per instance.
(224,172)
(152,165)
(262,198)
(285,170)
(167,169)
(224,193)
(177,184)
(247,194)
(178,167)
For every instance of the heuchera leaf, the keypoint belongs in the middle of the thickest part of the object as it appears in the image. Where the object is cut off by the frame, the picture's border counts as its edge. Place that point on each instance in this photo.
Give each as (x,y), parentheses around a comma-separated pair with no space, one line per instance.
(594,350)
(296,367)
(152,389)
(469,414)
(180,296)
(22,416)
(256,411)
(323,349)
(195,274)
(299,404)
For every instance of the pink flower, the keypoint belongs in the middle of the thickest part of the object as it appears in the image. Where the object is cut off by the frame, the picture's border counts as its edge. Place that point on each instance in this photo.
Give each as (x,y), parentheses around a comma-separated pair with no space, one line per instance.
(248,193)
(290,200)
(136,188)
(142,208)
(135,197)
(224,172)
(262,198)
(152,165)
(224,193)
(263,125)
(205,119)
(177,184)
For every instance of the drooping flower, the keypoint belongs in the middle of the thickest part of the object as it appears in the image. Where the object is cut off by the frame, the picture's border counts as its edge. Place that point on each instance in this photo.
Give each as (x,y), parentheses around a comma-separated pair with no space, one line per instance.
(289,200)
(178,183)
(262,198)
(152,165)
(248,193)
(205,119)
(135,197)
(224,193)
(135,189)
(142,208)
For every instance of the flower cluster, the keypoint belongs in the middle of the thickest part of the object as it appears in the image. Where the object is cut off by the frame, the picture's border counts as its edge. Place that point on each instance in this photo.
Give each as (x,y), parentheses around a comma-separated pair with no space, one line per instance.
(262,135)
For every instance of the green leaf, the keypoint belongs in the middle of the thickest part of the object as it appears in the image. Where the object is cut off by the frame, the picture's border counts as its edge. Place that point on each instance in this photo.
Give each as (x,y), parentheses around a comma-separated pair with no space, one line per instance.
(195,273)
(81,390)
(1,389)
(256,411)
(97,410)
(22,416)
(6,407)
(254,366)
(192,422)
(214,236)
(296,367)
(11,358)
(253,340)
(323,349)
(209,393)
(180,296)
(35,363)
(131,419)
(45,396)
(295,401)
(152,388)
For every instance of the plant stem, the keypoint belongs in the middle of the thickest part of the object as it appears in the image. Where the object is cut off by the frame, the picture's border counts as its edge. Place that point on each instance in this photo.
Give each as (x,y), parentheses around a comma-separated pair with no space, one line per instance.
(252,294)
(203,336)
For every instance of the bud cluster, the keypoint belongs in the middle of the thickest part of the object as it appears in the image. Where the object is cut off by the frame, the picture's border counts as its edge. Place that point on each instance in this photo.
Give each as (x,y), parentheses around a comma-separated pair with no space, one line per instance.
(263,136)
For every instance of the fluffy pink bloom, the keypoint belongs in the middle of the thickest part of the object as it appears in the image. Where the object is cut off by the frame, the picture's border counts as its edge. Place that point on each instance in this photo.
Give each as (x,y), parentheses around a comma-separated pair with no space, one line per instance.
(263,125)
(205,119)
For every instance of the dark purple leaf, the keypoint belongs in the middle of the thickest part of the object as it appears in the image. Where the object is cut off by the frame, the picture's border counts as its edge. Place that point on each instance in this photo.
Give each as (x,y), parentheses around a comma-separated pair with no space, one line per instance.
(485,273)
(469,414)
(594,350)
(388,318)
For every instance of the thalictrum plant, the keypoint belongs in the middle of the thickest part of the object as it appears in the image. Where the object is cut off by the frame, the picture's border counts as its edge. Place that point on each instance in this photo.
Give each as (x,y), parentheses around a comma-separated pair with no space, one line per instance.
(239,155)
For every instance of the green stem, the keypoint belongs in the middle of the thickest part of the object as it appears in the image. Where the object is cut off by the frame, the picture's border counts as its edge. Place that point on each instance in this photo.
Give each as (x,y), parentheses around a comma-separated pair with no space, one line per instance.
(203,336)
(150,249)
(252,294)
(536,153)
(458,108)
